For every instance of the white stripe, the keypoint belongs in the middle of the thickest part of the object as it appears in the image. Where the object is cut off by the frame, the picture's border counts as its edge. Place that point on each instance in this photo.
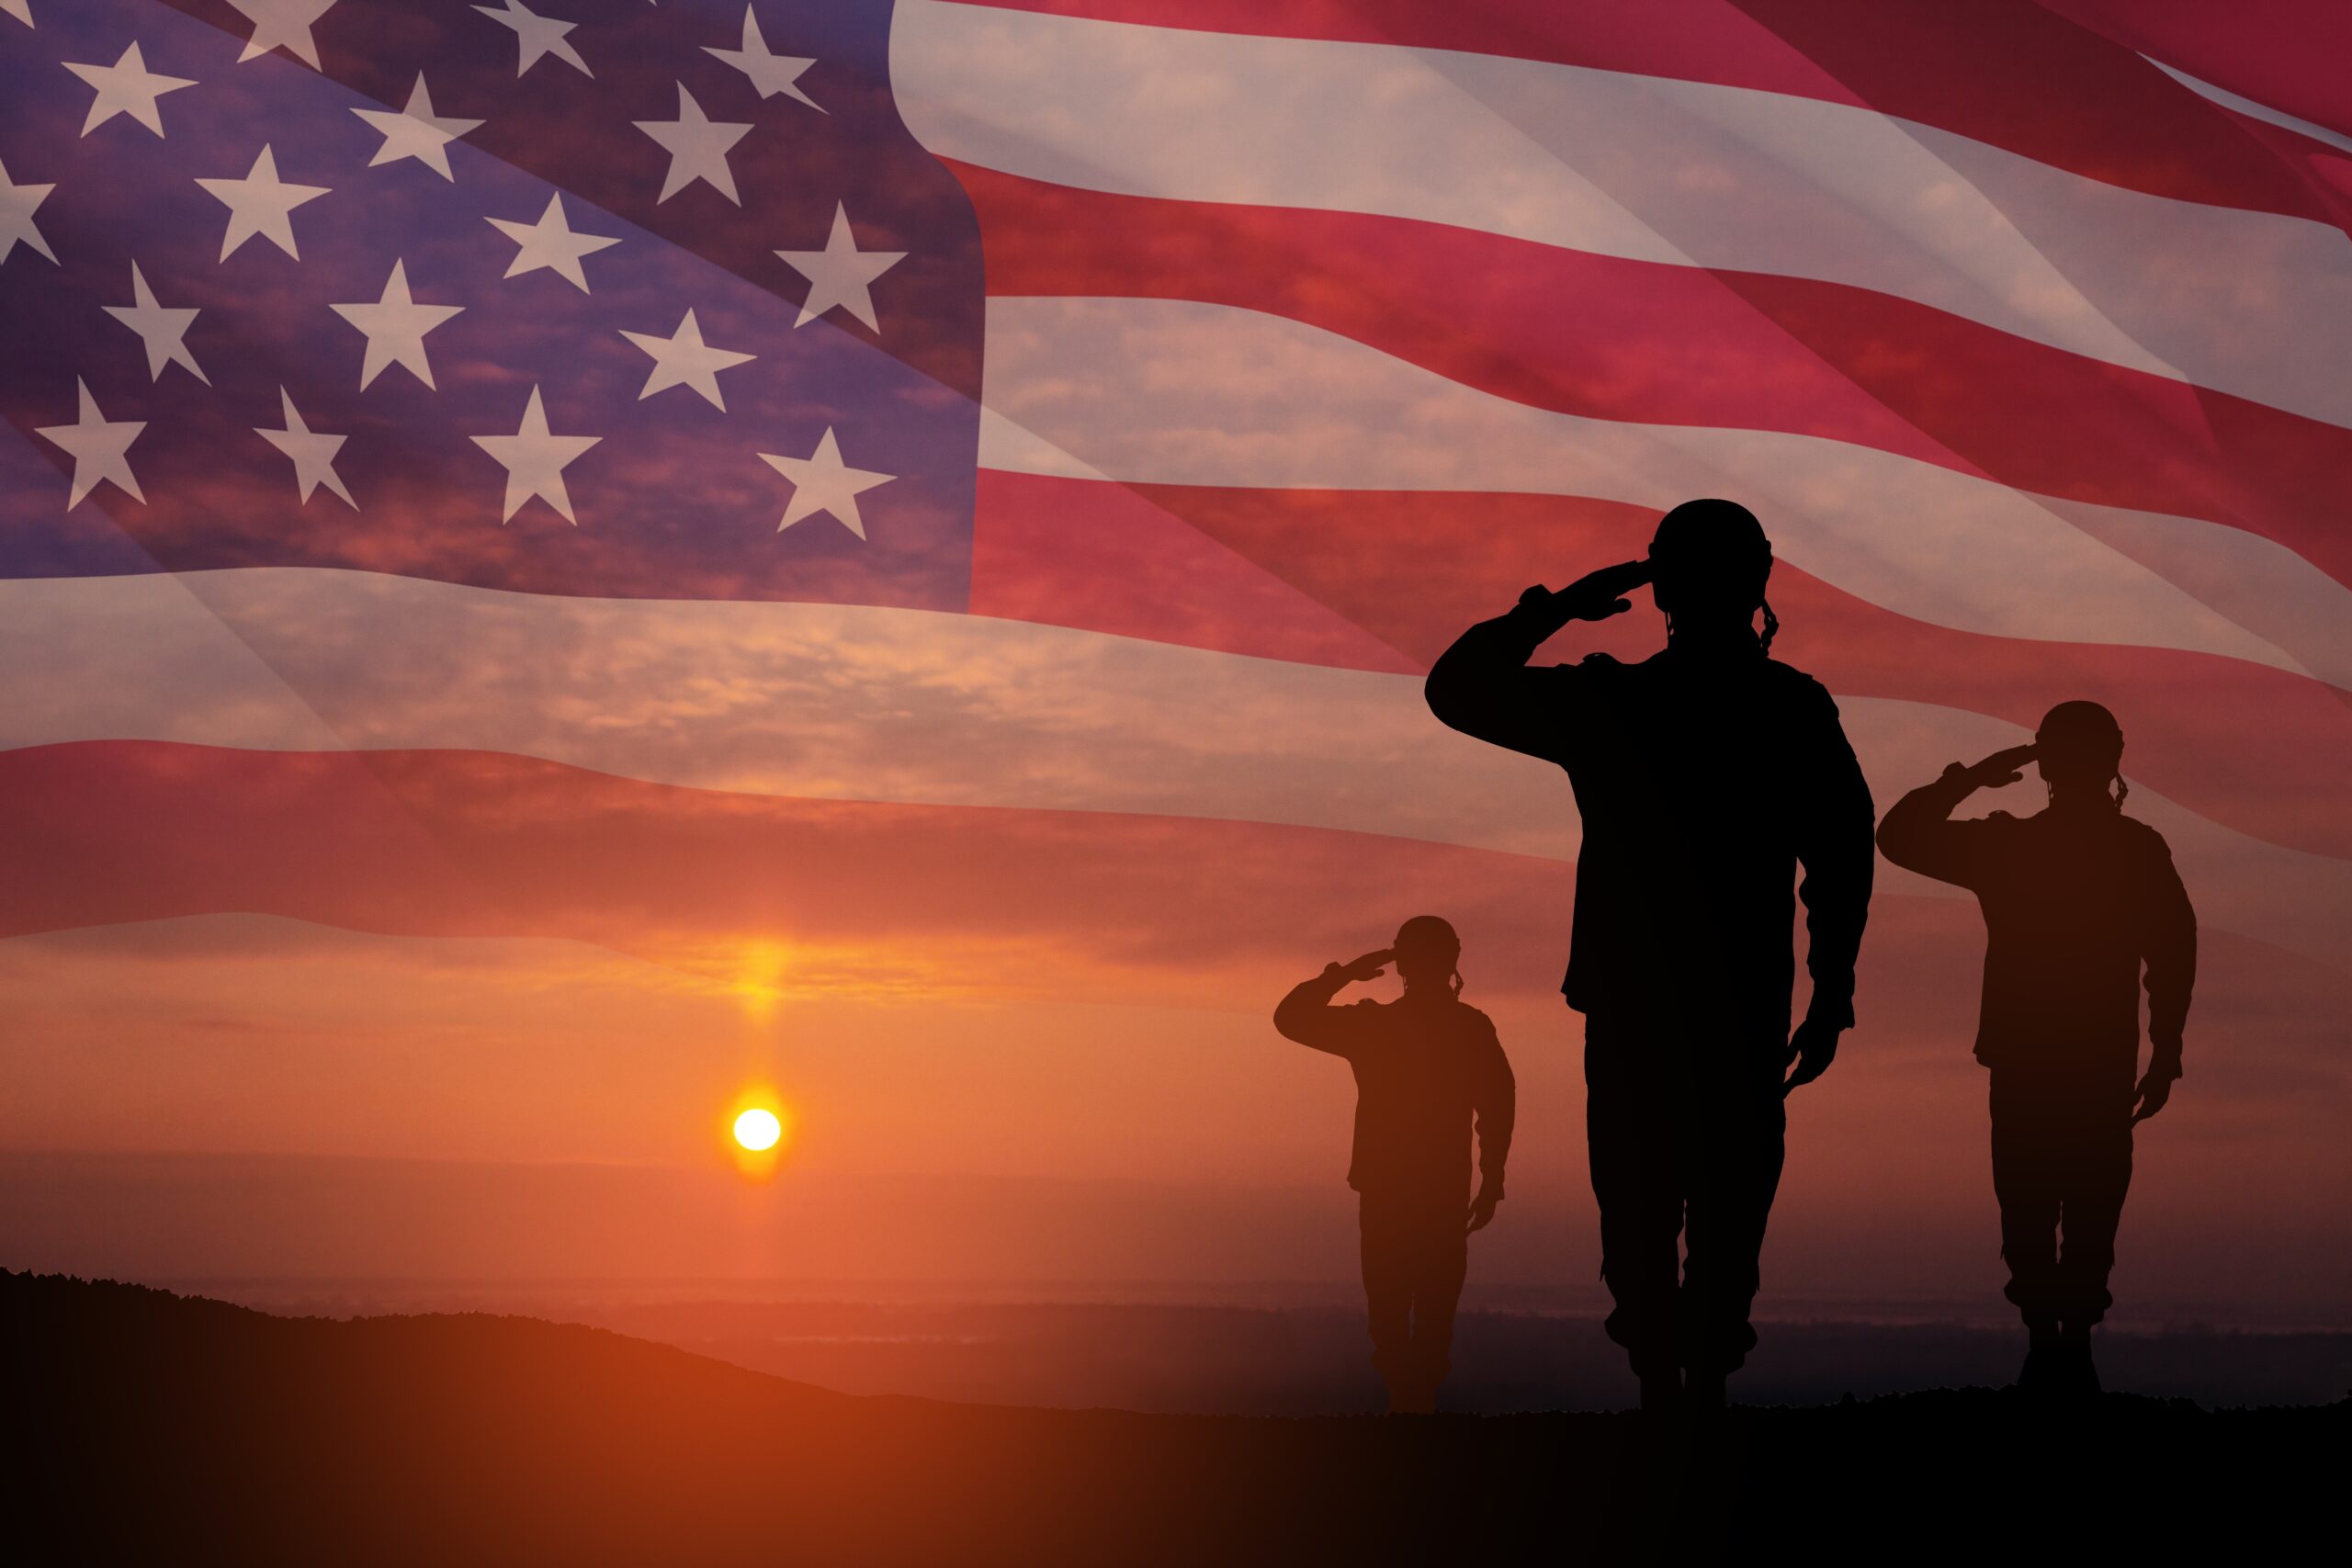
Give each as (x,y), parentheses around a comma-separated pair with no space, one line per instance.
(838,702)
(1650,168)
(1178,393)
(907,706)
(2258,584)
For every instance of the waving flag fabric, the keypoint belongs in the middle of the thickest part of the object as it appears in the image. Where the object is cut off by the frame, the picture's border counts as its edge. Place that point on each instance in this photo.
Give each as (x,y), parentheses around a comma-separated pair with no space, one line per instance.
(955,479)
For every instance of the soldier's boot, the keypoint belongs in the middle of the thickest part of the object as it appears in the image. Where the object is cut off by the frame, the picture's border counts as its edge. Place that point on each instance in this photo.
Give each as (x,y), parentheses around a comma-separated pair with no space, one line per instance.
(1704,1390)
(2041,1373)
(2078,1374)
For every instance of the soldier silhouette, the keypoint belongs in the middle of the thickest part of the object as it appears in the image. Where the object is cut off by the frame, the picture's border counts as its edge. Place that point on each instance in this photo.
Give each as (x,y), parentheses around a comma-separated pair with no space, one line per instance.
(1427,1067)
(2077,898)
(1705,775)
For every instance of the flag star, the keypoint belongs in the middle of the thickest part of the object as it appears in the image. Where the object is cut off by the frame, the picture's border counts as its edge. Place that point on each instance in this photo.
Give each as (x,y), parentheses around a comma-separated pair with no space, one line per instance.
(822,482)
(683,359)
(100,447)
(396,326)
(550,243)
(127,87)
(534,461)
(415,132)
(163,330)
(697,147)
(312,451)
(17,205)
(771,74)
(282,24)
(20,9)
(261,204)
(536,36)
(839,274)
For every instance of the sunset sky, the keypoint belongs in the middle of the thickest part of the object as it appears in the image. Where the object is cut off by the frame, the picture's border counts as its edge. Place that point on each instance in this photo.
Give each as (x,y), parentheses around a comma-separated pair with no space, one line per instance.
(390,892)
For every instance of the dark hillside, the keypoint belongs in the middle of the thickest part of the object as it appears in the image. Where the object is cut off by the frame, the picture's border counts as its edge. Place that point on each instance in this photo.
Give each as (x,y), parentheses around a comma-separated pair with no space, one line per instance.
(186,1430)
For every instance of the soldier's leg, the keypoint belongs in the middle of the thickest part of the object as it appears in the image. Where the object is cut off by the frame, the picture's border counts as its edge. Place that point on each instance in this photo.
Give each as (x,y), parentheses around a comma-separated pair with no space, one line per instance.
(1442,1263)
(2027,1144)
(1630,1133)
(1739,1149)
(2097,1179)
(1387,1288)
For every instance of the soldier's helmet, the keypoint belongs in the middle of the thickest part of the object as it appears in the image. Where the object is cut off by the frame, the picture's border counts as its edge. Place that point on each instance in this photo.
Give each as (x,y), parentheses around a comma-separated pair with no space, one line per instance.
(2082,733)
(1711,550)
(1427,935)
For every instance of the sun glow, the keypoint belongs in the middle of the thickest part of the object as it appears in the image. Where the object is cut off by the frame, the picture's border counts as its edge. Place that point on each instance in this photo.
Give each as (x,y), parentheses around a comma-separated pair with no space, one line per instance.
(756,1128)
(757,980)
(759,1129)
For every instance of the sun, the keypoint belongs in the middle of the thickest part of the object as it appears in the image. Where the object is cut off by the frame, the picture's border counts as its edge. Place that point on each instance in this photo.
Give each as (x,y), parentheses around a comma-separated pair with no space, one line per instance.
(758,1129)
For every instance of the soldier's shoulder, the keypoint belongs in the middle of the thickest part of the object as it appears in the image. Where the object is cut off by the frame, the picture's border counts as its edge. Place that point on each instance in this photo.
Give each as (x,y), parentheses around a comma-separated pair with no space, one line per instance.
(1794,683)
(2144,836)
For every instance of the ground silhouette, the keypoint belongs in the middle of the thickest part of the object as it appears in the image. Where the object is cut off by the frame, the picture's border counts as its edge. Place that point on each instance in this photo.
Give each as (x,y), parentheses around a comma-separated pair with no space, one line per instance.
(140,1422)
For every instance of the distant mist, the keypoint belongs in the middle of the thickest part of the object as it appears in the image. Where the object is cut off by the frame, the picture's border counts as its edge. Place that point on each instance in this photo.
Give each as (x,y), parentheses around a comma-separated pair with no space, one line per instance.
(348,1235)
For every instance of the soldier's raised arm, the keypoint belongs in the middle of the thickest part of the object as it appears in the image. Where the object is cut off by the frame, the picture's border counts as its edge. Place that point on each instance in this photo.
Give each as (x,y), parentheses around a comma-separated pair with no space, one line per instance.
(1482,685)
(1307,1015)
(1918,833)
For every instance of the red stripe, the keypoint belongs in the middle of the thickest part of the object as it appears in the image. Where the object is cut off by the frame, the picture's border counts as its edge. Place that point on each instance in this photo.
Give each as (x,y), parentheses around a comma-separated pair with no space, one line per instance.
(1648,343)
(1061,905)
(2256,749)
(1105,557)
(464,843)
(2325,169)
(2288,55)
(2007,72)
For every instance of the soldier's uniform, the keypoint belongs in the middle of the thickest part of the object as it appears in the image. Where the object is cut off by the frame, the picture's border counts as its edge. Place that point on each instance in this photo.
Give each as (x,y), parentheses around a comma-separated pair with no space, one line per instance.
(2075,903)
(1704,780)
(1428,1071)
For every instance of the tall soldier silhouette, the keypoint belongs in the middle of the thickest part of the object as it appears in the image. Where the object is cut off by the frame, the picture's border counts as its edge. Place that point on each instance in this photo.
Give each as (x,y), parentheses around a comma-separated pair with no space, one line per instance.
(2077,899)
(1427,1067)
(1705,775)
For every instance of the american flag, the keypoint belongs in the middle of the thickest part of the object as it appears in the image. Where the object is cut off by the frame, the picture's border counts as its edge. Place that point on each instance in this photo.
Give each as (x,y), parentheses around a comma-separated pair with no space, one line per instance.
(912,482)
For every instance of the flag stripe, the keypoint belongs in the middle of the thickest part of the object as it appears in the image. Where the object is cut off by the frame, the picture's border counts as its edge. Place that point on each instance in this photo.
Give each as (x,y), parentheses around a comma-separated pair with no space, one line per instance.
(819,702)
(2262,120)
(2286,53)
(1643,168)
(1608,338)
(484,844)
(822,701)
(2260,750)
(2009,72)
(1175,392)
(465,843)
(884,704)
(1128,559)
